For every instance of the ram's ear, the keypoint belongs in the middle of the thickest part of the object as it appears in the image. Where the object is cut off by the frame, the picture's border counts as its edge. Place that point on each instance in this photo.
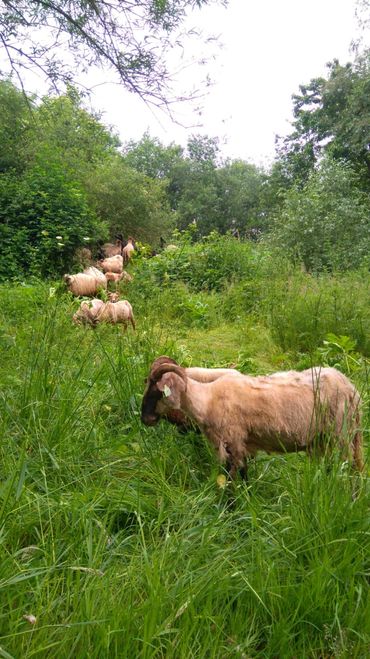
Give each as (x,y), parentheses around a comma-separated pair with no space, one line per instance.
(172,386)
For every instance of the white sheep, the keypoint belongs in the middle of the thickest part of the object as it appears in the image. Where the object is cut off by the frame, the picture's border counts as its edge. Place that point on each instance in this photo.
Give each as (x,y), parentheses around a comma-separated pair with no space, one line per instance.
(285,412)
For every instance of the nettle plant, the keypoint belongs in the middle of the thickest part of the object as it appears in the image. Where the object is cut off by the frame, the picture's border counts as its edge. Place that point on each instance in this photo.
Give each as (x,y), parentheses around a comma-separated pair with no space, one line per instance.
(205,265)
(340,352)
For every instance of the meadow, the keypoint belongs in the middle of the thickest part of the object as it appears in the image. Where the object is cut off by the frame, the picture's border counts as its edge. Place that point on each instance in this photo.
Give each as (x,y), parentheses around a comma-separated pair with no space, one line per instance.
(116,537)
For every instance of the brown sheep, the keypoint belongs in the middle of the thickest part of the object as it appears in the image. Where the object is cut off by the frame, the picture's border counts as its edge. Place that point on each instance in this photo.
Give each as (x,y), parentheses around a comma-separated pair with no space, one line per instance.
(109,249)
(112,264)
(199,374)
(114,276)
(113,297)
(98,274)
(98,311)
(128,250)
(286,412)
(84,284)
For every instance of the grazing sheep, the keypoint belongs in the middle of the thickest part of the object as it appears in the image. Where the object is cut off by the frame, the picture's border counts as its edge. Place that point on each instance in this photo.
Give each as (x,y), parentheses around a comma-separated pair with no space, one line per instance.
(177,417)
(286,412)
(109,249)
(84,284)
(98,311)
(98,274)
(128,250)
(114,276)
(117,276)
(112,264)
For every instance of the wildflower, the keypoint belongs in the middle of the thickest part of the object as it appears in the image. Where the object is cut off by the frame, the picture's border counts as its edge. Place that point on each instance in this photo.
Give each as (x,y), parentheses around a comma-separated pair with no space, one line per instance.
(221,481)
(52,291)
(44,233)
(59,237)
(86,238)
(60,244)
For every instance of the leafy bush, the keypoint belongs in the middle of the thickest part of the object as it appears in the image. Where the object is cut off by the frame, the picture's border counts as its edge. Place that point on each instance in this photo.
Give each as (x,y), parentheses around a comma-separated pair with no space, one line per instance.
(44,216)
(326,224)
(206,265)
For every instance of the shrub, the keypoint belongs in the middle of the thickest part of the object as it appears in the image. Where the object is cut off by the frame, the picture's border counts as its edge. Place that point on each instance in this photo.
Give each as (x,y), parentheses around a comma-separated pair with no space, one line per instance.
(44,216)
(326,225)
(204,266)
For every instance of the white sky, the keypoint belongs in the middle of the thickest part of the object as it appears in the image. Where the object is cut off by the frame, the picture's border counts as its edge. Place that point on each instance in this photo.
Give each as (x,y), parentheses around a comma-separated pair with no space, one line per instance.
(269,48)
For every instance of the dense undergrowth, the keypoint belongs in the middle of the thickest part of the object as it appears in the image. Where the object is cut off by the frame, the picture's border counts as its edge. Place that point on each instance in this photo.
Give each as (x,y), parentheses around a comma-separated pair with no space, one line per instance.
(115,536)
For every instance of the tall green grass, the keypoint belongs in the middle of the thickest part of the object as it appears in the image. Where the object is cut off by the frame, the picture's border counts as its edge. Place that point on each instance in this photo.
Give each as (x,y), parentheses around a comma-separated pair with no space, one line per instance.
(117,538)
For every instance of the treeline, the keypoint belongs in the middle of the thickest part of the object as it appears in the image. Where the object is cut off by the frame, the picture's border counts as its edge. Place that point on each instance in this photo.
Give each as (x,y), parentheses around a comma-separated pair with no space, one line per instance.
(67,182)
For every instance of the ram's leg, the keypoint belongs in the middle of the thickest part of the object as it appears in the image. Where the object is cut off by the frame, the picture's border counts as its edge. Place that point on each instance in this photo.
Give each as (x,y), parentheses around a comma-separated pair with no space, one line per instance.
(357,451)
(232,468)
(243,471)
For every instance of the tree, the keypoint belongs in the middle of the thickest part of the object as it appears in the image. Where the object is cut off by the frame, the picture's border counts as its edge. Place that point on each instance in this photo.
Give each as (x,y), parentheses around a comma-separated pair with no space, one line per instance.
(62,125)
(150,157)
(332,115)
(192,186)
(15,127)
(240,187)
(326,224)
(130,38)
(128,202)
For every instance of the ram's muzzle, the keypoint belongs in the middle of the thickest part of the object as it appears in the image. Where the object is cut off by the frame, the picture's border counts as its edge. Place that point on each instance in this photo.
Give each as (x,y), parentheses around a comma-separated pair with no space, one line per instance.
(152,395)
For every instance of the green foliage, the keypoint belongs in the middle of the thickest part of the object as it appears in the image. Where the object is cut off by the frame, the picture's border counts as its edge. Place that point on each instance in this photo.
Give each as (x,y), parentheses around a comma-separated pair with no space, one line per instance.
(118,538)
(326,224)
(206,265)
(128,201)
(332,116)
(223,197)
(130,39)
(240,189)
(16,124)
(218,196)
(151,158)
(76,136)
(301,310)
(44,218)
(340,352)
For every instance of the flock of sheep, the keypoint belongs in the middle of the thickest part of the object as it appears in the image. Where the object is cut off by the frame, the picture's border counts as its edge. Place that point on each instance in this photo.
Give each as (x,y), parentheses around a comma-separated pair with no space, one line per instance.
(240,415)
(92,280)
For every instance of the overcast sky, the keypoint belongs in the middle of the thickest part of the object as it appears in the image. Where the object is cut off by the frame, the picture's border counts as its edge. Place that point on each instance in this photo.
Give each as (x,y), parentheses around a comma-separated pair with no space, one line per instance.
(268,48)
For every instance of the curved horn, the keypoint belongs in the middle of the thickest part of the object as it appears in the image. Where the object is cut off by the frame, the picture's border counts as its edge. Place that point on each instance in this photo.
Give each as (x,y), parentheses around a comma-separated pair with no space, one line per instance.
(163,359)
(168,368)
